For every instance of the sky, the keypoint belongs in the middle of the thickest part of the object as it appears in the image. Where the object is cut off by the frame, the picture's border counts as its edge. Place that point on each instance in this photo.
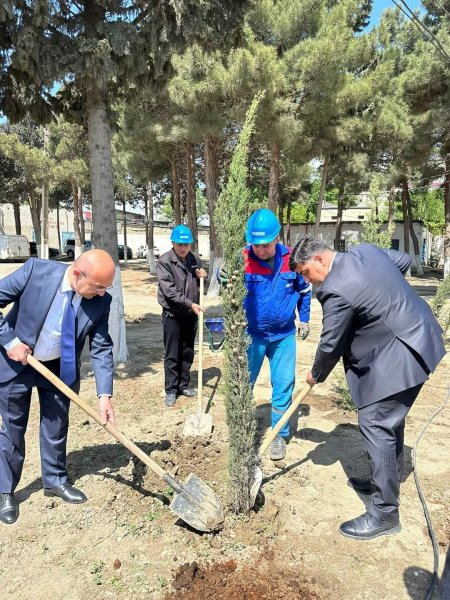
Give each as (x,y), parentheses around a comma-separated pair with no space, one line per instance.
(380,5)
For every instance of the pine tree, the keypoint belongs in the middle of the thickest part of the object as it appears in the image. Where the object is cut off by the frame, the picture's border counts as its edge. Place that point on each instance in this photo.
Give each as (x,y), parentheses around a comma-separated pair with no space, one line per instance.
(103,52)
(36,171)
(231,216)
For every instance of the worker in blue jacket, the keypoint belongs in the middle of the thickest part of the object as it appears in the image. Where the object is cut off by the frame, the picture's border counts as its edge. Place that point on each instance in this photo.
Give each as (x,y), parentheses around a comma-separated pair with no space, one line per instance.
(274,293)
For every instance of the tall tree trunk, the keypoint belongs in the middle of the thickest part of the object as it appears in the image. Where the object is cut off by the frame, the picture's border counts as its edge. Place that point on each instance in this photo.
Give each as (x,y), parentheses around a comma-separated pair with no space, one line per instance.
(43,250)
(125,237)
(81,216)
(102,184)
(151,224)
(340,212)
(405,217)
(323,184)
(447,217)
(191,208)
(274,176)
(212,192)
(35,201)
(146,218)
(288,220)
(176,190)
(417,256)
(58,227)
(79,244)
(391,208)
(103,206)
(281,217)
(17,221)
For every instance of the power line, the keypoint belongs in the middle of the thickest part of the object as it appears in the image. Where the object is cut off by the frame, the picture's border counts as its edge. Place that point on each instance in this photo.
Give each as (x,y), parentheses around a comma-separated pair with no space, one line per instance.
(423,26)
(441,6)
(423,29)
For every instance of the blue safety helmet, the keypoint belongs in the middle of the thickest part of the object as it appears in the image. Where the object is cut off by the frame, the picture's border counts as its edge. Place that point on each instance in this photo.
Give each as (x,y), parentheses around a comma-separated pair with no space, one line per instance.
(262,227)
(181,235)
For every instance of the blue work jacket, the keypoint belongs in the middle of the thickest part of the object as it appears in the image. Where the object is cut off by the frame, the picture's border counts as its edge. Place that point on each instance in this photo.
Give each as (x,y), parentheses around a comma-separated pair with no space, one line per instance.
(273,296)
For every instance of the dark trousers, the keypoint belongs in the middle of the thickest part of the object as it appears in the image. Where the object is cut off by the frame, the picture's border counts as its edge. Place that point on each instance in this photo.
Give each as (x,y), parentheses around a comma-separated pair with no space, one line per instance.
(179,337)
(382,426)
(15,400)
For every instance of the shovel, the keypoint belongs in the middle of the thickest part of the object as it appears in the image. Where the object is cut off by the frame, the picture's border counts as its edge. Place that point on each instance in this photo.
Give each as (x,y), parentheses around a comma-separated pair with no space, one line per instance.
(257,475)
(199,423)
(193,500)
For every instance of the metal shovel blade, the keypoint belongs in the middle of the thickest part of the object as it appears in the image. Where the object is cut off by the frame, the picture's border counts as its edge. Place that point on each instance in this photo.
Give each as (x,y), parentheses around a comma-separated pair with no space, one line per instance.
(197,504)
(198,425)
(255,485)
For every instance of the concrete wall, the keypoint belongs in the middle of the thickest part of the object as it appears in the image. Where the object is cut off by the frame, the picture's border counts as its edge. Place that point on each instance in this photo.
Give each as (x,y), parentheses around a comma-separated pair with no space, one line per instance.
(352,232)
(135,233)
(136,238)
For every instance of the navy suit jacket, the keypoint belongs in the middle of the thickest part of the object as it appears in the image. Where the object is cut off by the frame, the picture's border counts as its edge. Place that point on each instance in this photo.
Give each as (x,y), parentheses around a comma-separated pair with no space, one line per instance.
(32,289)
(387,335)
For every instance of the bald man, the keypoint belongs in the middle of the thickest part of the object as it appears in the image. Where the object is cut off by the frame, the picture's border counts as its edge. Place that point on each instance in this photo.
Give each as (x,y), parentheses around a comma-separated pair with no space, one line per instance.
(54,308)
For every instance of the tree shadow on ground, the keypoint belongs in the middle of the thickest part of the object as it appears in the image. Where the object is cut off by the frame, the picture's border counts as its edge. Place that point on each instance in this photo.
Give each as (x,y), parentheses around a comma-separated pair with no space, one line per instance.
(344,445)
(211,380)
(106,461)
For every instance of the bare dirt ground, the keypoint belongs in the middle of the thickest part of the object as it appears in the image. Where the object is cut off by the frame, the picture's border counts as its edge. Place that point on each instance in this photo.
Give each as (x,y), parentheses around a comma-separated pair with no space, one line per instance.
(125,543)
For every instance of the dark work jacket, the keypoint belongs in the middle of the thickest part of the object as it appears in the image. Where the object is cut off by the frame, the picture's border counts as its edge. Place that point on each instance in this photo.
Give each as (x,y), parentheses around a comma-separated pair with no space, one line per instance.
(178,286)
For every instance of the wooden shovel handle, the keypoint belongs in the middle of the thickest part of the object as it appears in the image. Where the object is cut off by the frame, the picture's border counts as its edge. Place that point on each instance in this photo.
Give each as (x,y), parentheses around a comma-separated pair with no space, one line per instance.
(284,419)
(62,387)
(200,351)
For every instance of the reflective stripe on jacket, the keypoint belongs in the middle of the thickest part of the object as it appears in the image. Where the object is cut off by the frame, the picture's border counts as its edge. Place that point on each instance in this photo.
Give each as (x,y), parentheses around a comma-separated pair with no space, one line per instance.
(272,296)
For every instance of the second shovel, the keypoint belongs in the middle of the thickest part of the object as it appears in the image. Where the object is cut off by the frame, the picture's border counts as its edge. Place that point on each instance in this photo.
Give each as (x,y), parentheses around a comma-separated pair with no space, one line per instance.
(199,423)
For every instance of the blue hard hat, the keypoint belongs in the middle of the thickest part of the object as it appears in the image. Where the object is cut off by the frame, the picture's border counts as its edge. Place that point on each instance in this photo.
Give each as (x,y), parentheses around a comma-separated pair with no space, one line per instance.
(262,227)
(181,235)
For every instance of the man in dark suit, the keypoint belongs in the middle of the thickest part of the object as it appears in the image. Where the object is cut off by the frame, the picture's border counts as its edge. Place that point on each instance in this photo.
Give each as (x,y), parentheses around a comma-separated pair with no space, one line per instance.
(389,341)
(54,308)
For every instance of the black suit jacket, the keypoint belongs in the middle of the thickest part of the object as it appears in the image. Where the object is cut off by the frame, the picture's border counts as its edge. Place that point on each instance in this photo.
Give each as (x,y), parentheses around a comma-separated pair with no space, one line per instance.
(386,334)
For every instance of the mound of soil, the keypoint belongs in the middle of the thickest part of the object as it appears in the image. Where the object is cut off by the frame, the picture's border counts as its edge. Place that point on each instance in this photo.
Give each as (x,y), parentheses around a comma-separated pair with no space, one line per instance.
(225,581)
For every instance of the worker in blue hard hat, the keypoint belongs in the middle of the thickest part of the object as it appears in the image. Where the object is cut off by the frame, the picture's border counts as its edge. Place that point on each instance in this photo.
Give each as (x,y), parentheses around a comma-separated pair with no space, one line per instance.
(274,293)
(179,271)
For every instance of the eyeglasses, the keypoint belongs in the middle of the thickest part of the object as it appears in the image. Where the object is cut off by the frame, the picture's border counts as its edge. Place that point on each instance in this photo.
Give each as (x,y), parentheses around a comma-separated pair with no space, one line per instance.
(98,288)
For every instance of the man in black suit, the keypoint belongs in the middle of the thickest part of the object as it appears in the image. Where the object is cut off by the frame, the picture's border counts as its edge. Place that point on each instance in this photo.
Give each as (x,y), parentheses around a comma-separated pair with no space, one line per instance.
(389,341)
(43,294)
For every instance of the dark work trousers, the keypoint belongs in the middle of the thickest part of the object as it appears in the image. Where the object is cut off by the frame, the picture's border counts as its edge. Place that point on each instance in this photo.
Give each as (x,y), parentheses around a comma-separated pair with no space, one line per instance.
(179,337)
(382,426)
(15,400)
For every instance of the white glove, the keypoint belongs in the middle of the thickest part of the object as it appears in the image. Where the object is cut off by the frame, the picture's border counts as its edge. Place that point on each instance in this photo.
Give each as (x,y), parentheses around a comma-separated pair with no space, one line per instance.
(303,330)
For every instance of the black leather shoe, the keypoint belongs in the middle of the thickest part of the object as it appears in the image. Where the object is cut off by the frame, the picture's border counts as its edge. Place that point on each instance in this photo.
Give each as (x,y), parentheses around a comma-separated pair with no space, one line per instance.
(189,392)
(66,492)
(364,486)
(367,527)
(171,399)
(9,509)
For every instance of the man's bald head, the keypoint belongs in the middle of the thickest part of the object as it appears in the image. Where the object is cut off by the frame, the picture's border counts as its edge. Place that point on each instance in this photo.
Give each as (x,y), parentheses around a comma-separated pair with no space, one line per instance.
(91,273)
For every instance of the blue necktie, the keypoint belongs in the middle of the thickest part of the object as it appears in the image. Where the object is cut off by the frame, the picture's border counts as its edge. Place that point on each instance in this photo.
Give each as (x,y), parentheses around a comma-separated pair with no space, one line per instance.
(68,358)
